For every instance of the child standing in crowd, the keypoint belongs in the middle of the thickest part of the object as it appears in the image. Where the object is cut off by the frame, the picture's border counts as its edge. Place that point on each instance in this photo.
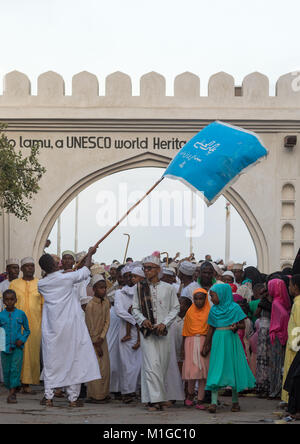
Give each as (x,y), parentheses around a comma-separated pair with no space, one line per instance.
(195,366)
(15,324)
(263,312)
(97,320)
(228,365)
(137,276)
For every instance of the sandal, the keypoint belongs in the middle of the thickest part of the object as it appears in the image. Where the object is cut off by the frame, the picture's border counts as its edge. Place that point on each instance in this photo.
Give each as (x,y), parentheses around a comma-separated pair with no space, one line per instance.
(46,402)
(188,403)
(12,399)
(212,408)
(200,407)
(153,407)
(77,403)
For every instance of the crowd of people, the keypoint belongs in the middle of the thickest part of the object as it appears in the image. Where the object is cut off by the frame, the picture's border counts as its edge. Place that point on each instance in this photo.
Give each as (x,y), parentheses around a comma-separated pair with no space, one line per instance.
(159,330)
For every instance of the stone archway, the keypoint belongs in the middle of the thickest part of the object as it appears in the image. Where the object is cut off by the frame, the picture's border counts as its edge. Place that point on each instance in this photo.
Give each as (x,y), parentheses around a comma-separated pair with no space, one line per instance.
(148,160)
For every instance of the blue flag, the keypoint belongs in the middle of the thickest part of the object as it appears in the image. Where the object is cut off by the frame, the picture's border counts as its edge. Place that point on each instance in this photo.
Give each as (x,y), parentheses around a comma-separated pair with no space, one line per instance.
(214,158)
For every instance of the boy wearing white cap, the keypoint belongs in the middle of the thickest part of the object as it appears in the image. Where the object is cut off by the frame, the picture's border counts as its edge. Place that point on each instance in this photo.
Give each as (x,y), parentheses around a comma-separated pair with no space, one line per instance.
(97,319)
(12,270)
(131,358)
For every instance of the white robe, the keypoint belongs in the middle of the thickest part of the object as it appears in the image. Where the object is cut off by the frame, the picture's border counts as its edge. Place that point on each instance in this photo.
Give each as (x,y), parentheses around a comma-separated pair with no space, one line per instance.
(156,350)
(68,353)
(112,338)
(131,360)
(187,292)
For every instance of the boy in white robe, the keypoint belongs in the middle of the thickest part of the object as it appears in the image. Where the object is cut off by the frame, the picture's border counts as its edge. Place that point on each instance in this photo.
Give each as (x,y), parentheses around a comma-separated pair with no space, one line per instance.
(131,357)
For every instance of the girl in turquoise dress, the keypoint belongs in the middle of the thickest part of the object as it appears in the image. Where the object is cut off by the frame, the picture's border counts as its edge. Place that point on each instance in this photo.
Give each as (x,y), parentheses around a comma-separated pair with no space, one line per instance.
(228,366)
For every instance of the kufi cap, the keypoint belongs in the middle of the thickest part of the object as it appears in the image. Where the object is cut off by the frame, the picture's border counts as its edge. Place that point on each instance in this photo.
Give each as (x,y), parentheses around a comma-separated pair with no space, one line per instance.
(137,264)
(238,266)
(12,261)
(187,268)
(151,260)
(126,269)
(114,265)
(70,253)
(27,260)
(138,271)
(169,271)
(97,269)
(96,278)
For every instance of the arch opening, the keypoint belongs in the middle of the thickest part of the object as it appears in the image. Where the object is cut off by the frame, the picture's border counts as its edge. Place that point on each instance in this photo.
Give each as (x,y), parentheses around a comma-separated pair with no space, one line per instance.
(158,161)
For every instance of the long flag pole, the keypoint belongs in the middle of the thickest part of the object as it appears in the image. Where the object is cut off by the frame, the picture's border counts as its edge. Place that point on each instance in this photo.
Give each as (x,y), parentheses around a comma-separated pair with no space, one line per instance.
(121,220)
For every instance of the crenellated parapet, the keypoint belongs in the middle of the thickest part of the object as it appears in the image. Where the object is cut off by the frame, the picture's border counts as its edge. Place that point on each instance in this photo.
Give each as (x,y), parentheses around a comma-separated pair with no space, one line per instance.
(231,101)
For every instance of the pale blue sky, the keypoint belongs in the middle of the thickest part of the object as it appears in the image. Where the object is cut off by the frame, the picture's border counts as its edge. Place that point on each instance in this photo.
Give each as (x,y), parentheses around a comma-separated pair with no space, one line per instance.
(138,36)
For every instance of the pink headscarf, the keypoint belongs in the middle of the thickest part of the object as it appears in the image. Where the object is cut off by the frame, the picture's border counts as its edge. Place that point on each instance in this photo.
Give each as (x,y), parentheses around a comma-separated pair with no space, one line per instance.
(281,307)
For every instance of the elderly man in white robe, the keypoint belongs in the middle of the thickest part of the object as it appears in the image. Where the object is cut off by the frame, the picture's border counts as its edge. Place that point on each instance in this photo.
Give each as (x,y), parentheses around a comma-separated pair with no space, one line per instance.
(68,352)
(155,307)
(131,358)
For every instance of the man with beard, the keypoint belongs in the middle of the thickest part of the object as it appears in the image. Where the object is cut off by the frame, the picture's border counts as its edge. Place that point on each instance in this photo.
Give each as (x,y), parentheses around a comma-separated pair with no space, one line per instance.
(206,278)
(155,307)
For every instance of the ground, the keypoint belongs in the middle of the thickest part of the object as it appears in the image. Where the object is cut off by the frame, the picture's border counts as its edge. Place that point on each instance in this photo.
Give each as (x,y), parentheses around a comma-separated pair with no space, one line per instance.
(29,411)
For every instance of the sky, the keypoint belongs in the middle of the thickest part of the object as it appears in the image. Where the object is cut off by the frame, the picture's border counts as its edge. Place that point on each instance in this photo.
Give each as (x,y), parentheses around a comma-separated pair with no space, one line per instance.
(139,36)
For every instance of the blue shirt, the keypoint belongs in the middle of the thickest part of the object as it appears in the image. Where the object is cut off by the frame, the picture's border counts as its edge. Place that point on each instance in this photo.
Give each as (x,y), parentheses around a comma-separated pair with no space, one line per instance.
(13,322)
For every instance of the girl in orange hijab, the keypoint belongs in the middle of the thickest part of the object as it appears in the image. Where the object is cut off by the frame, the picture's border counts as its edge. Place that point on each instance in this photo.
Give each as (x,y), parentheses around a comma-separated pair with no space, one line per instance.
(195,328)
